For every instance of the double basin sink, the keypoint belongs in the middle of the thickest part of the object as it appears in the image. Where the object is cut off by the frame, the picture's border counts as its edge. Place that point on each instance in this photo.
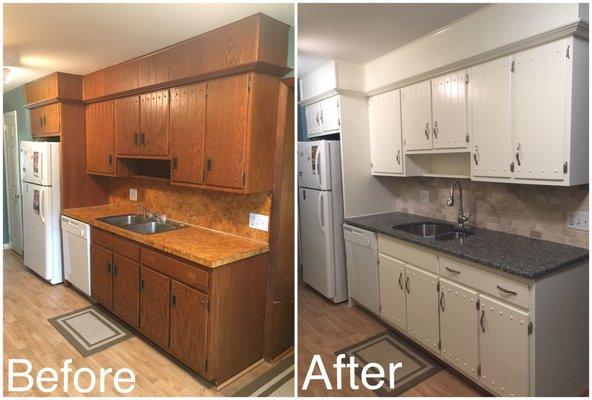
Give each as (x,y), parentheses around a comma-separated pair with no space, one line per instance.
(141,224)
(434,230)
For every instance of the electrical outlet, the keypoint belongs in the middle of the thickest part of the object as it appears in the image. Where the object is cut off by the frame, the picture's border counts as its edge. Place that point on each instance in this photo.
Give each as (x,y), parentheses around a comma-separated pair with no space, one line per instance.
(578,220)
(133,194)
(259,221)
(424,196)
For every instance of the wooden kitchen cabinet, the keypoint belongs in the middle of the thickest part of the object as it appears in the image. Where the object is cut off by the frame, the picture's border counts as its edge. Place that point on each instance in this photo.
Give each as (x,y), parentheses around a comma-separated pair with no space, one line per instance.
(154,124)
(126,274)
(392,291)
(46,120)
(416,116)
(100,138)
(126,125)
(449,111)
(386,150)
(422,307)
(187,128)
(188,325)
(154,306)
(101,278)
(54,87)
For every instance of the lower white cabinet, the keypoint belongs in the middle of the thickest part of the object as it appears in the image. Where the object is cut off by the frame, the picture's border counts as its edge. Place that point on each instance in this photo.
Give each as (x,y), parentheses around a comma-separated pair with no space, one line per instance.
(422,307)
(459,324)
(392,291)
(503,347)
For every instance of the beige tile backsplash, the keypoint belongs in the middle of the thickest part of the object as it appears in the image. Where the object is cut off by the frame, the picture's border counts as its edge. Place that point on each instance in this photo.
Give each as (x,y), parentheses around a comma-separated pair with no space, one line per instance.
(527,210)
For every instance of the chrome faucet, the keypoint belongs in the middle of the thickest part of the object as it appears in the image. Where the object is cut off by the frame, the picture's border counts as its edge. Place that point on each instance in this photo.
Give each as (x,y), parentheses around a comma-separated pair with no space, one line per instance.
(462,218)
(146,213)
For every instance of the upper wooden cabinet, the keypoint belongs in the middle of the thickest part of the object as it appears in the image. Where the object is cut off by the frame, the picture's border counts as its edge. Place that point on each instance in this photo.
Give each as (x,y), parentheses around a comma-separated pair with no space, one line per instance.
(126,125)
(99,138)
(257,42)
(154,124)
(52,88)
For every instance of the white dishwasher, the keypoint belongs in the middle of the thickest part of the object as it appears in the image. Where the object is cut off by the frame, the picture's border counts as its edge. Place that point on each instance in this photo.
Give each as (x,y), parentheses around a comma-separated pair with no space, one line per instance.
(361,252)
(76,242)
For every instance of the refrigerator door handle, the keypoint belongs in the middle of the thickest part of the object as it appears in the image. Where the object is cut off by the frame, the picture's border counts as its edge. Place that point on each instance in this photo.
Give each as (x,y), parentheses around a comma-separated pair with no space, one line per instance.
(321,212)
(42,206)
(317,161)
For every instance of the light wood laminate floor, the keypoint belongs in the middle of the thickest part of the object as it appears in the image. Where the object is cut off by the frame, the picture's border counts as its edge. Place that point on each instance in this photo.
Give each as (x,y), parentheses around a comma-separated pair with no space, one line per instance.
(324,328)
(29,302)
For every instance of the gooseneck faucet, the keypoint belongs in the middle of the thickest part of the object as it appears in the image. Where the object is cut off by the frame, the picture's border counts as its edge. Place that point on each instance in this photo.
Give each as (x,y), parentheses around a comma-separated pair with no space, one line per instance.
(462,218)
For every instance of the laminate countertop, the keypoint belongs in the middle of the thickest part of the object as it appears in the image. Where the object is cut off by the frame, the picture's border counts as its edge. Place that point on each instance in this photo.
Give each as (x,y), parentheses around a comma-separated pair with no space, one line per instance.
(518,255)
(201,245)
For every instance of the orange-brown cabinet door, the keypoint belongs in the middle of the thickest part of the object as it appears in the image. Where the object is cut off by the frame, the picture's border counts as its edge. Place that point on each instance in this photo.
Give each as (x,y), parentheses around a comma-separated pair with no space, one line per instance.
(101,280)
(226,127)
(154,123)
(187,123)
(126,293)
(126,125)
(154,306)
(51,119)
(189,319)
(36,118)
(99,138)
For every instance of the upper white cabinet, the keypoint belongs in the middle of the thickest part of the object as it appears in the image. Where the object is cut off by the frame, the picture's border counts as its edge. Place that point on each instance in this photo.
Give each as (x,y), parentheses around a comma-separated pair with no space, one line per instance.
(323,117)
(416,115)
(490,123)
(313,119)
(384,113)
(449,111)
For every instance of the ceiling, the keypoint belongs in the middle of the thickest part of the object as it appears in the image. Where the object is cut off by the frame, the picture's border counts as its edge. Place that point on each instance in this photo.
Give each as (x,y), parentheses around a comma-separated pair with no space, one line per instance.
(81,38)
(362,32)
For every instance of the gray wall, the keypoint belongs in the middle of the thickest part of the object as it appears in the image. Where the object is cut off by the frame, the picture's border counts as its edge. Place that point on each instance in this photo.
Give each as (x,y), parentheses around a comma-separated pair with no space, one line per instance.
(14,100)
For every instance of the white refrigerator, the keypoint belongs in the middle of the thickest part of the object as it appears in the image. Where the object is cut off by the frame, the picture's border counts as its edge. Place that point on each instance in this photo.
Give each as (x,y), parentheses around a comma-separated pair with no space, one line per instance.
(40,164)
(320,207)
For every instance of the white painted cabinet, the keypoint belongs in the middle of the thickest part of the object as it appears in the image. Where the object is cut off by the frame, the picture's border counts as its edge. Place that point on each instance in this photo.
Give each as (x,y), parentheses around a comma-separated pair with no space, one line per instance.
(503,347)
(392,291)
(313,119)
(490,123)
(384,113)
(459,326)
(323,117)
(449,111)
(422,307)
(416,115)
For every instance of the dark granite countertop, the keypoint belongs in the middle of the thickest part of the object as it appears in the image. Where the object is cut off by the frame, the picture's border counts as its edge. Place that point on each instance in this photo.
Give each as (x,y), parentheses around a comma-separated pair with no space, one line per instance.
(518,255)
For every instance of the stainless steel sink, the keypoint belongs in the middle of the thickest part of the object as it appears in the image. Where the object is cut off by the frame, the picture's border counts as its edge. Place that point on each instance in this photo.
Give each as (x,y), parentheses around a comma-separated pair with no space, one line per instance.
(123,220)
(434,230)
(148,228)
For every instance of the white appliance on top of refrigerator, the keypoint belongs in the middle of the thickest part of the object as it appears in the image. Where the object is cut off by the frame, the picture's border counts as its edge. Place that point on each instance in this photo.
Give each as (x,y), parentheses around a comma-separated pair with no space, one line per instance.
(320,206)
(40,164)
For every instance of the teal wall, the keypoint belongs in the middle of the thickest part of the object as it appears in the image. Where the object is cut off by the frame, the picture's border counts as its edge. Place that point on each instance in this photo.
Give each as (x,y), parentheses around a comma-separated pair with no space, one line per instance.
(14,100)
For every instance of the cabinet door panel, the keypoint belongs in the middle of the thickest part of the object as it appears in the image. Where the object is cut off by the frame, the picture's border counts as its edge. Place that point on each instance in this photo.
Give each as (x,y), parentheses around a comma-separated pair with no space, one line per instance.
(99,138)
(154,306)
(330,114)
(490,124)
(503,348)
(154,123)
(51,119)
(126,125)
(392,291)
(101,278)
(385,133)
(187,126)
(226,128)
(189,316)
(459,326)
(313,119)
(36,118)
(416,115)
(422,307)
(449,111)
(540,76)
(126,295)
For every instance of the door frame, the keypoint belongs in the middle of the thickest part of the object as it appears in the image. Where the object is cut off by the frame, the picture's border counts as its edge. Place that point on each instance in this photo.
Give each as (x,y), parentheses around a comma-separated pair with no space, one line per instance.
(13,114)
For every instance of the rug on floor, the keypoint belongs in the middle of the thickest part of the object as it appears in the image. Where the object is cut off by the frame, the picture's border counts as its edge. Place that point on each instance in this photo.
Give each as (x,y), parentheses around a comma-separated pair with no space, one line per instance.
(277,382)
(389,347)
(89,330)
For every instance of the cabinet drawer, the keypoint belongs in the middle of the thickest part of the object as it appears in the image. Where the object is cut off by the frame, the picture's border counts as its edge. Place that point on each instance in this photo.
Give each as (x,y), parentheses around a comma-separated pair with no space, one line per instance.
(408,253)
(504,288)
(126,247)
(101,238)
(178,270)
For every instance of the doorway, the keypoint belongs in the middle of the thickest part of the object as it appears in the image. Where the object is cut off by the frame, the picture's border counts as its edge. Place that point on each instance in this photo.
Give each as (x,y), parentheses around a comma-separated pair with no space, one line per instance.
(13,183)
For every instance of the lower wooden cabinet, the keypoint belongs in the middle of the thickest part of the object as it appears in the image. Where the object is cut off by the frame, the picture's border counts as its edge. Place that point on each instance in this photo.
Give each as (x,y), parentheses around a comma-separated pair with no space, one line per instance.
(154,306)
(101,278)
(126,303)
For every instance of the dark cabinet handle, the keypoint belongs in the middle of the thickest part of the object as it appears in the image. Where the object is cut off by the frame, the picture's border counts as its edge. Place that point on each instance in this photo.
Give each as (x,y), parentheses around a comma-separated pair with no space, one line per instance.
(452,270)
(208,165)
(174,163)
(135,138)
(442,300)
(435,129)
(44,120)
(407,285)
(481,321)
(518,154)
(110,268)
(506,291)
(113,269)
(400,278)
(110,158)
(41,121)
(142,286)
(173,301)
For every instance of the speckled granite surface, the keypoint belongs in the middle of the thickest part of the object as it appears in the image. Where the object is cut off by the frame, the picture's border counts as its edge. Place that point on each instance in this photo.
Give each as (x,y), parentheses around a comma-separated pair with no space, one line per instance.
(204,246)
(518,255)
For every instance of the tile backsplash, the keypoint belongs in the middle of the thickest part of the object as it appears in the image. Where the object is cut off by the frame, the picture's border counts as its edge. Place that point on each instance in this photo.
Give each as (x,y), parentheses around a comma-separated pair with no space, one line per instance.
(527,210)
(226,212)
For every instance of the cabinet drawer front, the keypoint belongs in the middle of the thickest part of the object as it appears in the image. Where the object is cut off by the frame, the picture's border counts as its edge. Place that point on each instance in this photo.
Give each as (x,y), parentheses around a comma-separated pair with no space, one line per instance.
(408,253)
(504,288)
(180,271)
(101,238)
(126,248)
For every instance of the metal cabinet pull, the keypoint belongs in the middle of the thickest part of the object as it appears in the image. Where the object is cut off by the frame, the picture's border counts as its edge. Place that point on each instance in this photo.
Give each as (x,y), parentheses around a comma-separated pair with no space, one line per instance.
(407,285)
(427,130)
(398,157)
(442,301)
(136,139)
(41,121)
(400,278)
(175,163)
(435,129)
(44,120)
(322,121)
(113,269)
(481,321)
(506,291)
(475,155)
(317,117)
(109,268)
(518,154)
(208,165)
(173,300)
(142,285)
(454,271)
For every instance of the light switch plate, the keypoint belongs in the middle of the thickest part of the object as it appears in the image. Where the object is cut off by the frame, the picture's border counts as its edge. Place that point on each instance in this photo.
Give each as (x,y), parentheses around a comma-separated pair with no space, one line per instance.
(424,196)
(259,221)
(578,220)
(133,194)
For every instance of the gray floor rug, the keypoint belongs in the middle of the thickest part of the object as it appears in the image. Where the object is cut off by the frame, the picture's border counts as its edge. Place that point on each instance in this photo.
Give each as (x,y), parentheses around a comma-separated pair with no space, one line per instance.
(388,347)
(277,382)
(89,330)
